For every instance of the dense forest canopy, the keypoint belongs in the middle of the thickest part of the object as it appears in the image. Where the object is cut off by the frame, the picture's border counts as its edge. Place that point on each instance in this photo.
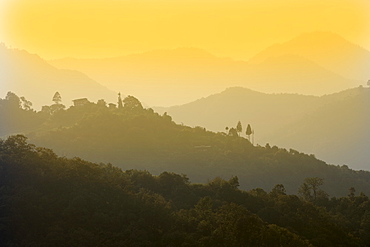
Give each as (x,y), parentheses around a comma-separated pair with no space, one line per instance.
(48,200)
(132,137)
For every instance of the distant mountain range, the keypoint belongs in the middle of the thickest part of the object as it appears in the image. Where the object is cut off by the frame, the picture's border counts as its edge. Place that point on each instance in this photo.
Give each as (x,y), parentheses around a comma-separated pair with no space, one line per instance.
(30,76)
(333,127)
(315,63)
(327,49)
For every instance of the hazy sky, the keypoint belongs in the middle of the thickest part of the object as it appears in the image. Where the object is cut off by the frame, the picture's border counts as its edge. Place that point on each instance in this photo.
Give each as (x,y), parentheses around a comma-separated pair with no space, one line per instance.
(235,28)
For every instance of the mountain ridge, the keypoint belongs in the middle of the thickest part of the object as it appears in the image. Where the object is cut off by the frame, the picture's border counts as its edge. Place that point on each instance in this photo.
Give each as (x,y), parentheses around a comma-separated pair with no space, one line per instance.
(31,76)
(342,56)
(183,77)
(282,119)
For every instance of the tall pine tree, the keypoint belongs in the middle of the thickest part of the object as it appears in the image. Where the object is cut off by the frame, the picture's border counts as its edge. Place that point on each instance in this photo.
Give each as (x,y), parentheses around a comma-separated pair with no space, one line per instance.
(120,104)
(248,132)
(57,98)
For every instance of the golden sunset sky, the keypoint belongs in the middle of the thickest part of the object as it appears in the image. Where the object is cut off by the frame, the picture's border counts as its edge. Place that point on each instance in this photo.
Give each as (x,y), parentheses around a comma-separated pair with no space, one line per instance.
(232,28)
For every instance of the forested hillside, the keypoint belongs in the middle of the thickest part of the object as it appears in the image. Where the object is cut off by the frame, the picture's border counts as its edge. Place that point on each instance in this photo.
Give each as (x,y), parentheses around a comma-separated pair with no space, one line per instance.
(132,137)
(333,127)
(48,200)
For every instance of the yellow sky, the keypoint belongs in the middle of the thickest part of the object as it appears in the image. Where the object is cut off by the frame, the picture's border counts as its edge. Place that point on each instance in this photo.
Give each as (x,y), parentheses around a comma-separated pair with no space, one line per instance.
(235,28)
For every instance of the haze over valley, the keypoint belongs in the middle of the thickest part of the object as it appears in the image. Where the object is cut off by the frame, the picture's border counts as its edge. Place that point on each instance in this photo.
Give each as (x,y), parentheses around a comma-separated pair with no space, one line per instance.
(181,75)
(185,123)
(334,127)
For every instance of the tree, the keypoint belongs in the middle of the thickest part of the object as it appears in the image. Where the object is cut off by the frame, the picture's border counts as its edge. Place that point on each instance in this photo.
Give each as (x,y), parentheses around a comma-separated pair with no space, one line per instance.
(167,117)
(351,193)
(26,105)
(13,101)
(233,132)
(132,103)
(234,182)
(310,189)
(17,145)
(57,98)
(120,105)
(278,189)
(239,128)
(305,192)
(248,132)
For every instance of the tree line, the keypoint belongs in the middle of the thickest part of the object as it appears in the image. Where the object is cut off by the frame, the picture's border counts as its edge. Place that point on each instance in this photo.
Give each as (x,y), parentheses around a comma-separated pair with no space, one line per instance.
(133,137)
(47,200)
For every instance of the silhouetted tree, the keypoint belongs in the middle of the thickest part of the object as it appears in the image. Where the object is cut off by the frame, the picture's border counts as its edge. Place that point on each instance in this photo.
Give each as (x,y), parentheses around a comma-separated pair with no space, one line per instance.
(12,100)
(310,189)
(248,132)
(57,98)
(305,192)
(278,189)
(132,103)
(233,132)
(234,182)
(120,105)
(351,193)
(26,105)
(167,117)
(239,128)
(57,106)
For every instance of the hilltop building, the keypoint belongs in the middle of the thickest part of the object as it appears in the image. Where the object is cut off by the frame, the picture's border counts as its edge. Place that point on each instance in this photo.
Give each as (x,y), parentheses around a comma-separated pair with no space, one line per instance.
(81,102)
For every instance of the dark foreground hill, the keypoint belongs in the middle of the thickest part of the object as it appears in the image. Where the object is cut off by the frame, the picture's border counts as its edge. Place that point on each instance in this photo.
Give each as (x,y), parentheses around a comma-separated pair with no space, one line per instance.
(132,137)
(48,200)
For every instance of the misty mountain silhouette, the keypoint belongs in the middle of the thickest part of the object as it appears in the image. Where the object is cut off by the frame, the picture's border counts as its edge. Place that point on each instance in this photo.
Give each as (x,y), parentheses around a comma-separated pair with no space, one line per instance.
(338,131)
(296,74)
(333,127)
(184,74)
(328,50)
(32,77)
(178,53)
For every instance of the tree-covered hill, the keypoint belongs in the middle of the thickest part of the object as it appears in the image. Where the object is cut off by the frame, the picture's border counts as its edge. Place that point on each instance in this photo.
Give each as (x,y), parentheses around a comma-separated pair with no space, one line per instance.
(334,127)
(132,137)
(48,200)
